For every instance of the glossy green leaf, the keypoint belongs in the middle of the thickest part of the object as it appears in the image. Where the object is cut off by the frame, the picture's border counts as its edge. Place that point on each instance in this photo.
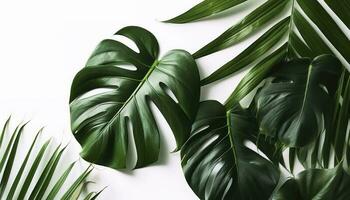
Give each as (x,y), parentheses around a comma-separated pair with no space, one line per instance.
(308,43)
(257,74)
(292,106)
(100,121)
(253,52)
(204,9)
(310,36)
(217,164)
(328,26)
(248,25)
(341,8)
(322,184)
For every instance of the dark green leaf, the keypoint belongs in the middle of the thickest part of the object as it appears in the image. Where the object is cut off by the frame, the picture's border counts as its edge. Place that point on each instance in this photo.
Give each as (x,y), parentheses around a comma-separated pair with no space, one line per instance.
(99,121)
(204,9)
(310,36)
(328,26)
(291,106)
(252,22)
(257,74)
(265,43)
(342,124)
(341,8)
(322,184)
(217,164)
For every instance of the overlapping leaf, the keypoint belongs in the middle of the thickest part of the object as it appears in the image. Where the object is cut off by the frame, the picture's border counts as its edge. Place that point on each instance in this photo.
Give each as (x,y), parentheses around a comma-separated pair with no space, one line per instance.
(296,103)
(301,40)
(30,181)
(100,121)
(316,184)
(217,164)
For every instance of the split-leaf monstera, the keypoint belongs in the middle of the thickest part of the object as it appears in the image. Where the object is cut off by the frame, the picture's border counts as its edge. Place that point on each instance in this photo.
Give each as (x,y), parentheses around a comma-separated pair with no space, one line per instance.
(295,105)
(100,120)
(216,162)
(303,108)
(290,111)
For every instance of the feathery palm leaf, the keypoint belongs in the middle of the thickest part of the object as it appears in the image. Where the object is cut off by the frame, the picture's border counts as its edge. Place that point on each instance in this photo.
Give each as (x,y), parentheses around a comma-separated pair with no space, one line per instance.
(304,22)
(308,30)
(30,181)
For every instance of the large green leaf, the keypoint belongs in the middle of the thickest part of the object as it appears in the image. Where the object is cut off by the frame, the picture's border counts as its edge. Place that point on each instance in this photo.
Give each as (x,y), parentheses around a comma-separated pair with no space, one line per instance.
(317,184)
(204,9)
(304,34)
(100,121)
(217,164)
(295,105)
(30,181)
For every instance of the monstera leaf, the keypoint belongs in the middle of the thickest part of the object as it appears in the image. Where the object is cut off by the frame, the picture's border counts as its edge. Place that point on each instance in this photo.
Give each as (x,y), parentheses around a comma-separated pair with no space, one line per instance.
(100,119)
(316,184)
(295,105)
(36,179)
(217,164)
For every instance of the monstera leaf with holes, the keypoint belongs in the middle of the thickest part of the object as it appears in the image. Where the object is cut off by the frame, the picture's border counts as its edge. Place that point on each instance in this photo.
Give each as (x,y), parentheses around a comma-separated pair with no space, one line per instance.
(303,106)
(216,162)
(100,120)
(293,109)
(36,179)
(296,105)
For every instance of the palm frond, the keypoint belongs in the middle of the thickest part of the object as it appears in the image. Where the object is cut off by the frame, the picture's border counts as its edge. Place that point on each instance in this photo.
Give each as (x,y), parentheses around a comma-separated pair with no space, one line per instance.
(30,181)
(311,31)
(204,9)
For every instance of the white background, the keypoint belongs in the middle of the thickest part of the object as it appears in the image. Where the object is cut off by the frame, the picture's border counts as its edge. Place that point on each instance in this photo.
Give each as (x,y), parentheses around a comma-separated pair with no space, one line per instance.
(43,44)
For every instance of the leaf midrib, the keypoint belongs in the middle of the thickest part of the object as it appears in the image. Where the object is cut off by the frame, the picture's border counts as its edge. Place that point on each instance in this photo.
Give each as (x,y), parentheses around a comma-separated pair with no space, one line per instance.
(154,65)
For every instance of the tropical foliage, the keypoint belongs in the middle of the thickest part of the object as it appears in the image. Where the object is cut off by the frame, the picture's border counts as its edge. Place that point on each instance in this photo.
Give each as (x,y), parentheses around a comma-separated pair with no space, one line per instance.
(300,114)
(110,99)
(291,111)
(35,177)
